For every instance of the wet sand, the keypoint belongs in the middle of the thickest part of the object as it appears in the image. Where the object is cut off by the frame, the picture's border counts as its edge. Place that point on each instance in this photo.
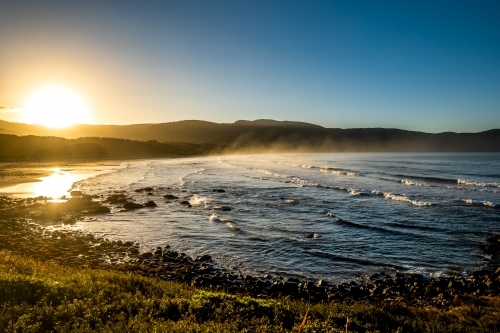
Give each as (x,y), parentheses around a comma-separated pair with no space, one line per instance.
(11,176)
(52,179)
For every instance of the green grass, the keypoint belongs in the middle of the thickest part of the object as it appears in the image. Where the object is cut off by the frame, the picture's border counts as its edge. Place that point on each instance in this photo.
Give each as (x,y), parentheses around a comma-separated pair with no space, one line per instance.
(43,297)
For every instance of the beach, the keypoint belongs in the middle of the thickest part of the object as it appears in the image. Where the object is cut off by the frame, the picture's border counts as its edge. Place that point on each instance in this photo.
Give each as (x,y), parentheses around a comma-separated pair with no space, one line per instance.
(200,207)
(11,175)
(51,179)
(62,234)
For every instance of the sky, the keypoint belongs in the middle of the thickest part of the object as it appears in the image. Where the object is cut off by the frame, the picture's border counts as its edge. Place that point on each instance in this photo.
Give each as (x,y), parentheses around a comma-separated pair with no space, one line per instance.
(429,66)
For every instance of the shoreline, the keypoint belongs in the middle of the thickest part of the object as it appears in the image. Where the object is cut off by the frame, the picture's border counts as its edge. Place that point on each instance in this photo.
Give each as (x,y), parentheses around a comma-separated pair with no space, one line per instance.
(15,176)
(29,179)
(22,232)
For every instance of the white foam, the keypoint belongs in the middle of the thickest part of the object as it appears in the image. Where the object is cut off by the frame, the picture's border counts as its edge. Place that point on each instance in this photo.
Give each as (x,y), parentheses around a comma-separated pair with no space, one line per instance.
(354,192)
(412,183)
(404,198)
(490,204)
(232,226)
(479,184)
(339,171)
(200,201)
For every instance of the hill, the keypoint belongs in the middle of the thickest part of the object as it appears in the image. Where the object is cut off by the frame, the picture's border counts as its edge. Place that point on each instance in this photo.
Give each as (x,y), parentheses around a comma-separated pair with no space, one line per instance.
(275,136)
(14,147)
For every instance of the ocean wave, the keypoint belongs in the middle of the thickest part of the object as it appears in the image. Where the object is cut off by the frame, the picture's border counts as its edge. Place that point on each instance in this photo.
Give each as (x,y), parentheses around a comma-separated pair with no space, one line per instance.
(195,200)
(267,172)
(355,192)
(429,179)
(412,226)
(360,261)
(355,225)
(478,184)
(337,171)
(402,198)
(485,203)
(358,192)
(352,191)
(410,183)
(343,173)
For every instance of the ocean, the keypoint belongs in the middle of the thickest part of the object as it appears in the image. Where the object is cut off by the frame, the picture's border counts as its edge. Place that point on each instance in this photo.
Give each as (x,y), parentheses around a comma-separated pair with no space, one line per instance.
(337,216)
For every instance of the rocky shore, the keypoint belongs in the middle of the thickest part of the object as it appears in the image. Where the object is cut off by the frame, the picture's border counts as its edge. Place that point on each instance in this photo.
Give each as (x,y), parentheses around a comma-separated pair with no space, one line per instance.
(23,230)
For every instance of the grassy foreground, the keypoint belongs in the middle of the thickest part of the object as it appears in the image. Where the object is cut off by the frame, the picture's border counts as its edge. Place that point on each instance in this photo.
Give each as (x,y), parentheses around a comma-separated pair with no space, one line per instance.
(43,296)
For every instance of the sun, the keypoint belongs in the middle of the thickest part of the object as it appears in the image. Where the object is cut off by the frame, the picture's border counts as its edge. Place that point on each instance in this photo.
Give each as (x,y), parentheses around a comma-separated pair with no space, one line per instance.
(55,107)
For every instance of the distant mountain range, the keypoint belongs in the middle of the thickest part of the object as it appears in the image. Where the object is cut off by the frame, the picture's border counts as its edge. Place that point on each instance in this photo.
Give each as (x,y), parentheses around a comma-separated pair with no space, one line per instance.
(274,136)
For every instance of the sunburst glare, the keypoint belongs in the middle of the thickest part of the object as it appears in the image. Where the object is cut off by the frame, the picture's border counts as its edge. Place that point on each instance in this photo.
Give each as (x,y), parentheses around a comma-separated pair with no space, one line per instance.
(55,107)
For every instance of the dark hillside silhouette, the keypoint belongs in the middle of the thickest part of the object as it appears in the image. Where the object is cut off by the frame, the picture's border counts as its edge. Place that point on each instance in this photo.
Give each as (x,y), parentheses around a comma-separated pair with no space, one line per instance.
(265,136)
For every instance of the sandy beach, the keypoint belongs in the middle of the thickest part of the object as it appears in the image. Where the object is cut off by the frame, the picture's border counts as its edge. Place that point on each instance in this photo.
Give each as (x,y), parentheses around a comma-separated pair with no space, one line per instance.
(51,179)
(12,175)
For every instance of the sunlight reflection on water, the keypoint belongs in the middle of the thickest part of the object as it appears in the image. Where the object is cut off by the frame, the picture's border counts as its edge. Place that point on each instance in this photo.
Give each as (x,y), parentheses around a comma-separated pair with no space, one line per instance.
(58,184)
(55,185)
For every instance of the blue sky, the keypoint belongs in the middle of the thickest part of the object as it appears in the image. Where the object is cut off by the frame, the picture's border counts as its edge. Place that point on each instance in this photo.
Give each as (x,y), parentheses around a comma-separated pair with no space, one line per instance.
(429,65)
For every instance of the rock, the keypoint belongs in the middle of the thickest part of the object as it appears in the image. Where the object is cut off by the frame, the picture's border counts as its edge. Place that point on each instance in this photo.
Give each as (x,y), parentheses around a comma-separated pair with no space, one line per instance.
(150,203)
(376,276)
(290,286)
(203,258)
(492,245)
(306,285)
(480,273)
(321,283)
(225,208)
(132,205)
(219,190)
(150,193)
(493,239)
(309,235)
(144,189)
(117,198)
(184,202)
(456,284)
(417,277)
(100,210)
(170,196)
(146,255)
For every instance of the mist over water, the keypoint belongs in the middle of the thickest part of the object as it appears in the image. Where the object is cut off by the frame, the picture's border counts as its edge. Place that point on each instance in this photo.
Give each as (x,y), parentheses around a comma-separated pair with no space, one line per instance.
(332,216)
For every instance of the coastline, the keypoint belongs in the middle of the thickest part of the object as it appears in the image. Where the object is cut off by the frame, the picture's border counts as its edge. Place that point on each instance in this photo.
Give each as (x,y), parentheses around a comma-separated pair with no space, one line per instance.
(51,262)
(44,211)
(27,229)
(12,176)
(27,179)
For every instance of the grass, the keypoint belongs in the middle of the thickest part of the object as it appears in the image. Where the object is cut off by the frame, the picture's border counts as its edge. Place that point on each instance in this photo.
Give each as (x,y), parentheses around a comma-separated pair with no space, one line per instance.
(43,297)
